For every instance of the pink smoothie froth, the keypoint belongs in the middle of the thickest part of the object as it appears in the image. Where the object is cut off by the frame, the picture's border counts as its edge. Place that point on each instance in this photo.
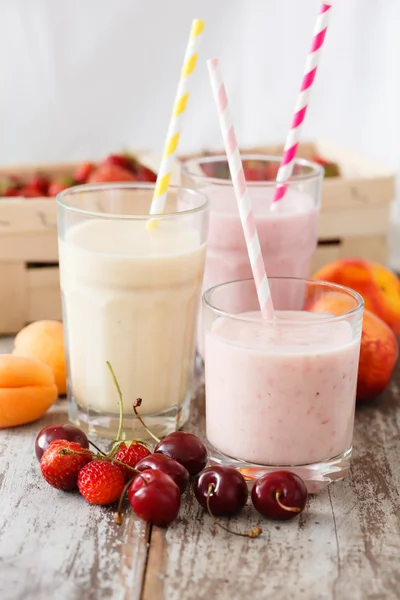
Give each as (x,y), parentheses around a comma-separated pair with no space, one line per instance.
(278,396)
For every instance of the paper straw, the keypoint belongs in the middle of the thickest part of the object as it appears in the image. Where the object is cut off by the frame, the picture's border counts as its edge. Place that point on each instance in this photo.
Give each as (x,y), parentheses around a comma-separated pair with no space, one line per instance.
(240,188)
(293,138)
(175,124)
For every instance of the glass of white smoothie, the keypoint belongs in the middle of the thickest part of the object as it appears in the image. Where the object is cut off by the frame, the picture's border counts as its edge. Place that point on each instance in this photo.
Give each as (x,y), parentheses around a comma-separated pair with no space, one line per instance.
(130,296)
(281,393)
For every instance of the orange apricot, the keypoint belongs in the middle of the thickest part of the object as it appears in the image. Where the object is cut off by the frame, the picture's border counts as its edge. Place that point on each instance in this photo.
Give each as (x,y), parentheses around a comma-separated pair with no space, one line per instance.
(44,340)
(27,389)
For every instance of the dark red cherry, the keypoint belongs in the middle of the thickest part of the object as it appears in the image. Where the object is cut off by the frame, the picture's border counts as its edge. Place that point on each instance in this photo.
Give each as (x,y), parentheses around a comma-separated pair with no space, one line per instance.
(167,465)
(279,495)
(155,500)
(226,487)
(59,432)
(186,448)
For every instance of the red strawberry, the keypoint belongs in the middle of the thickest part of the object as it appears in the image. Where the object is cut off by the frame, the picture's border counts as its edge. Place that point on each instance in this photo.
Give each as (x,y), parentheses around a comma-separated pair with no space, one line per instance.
(83,171)
(253,174)
(39,182)
(101,482)
(11,191)
(130,453)
(58,185)
(145,174)
(106,173)
(29,191)
(125,161)
(331,168)
(61,470)
(9,187)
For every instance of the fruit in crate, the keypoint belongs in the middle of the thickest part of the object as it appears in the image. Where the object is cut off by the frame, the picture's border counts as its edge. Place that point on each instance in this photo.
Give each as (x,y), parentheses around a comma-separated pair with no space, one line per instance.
(379,287)
(107,173)
(379,348)
(331,168)
(59,185)
(122,167)
(44,340)
(27,389)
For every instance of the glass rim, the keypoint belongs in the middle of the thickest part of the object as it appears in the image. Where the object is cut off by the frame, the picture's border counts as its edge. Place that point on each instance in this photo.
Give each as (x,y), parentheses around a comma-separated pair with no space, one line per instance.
(317,169)
(101,187)
(206,300)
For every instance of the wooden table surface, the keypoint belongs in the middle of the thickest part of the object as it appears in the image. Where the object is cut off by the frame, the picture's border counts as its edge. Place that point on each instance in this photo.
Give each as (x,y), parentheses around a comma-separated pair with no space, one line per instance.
(345,546)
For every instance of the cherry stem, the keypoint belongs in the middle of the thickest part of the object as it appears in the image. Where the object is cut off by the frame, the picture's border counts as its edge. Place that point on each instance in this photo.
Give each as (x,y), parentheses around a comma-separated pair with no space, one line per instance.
(97,448)
(138,402)
(253,533)
(278,496)
(117,515)
(120,401)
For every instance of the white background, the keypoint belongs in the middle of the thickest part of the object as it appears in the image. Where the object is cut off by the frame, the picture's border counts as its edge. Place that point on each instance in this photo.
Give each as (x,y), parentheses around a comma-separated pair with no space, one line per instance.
(81,78)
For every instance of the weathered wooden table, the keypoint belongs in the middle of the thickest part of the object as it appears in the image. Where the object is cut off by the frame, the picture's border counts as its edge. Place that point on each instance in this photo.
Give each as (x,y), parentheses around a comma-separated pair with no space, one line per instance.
(346,546)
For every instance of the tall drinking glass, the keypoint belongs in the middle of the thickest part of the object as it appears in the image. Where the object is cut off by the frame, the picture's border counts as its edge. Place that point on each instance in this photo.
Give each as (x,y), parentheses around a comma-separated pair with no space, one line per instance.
(288,235)
(130,296)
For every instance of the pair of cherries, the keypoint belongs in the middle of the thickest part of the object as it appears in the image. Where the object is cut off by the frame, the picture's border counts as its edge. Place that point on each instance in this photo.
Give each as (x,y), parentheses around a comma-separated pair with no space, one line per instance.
(155,495)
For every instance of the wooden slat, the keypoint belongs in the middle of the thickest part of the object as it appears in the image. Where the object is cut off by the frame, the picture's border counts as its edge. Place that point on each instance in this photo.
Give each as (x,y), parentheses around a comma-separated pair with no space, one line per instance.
(345,546)
(44,301)
(13,297)
(353,222)
(324,255)
(54,544)
(364,182)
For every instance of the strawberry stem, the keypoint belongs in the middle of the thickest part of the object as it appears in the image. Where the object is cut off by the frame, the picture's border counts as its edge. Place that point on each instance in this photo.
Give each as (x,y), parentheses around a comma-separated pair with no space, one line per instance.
(253,533)
(120,401)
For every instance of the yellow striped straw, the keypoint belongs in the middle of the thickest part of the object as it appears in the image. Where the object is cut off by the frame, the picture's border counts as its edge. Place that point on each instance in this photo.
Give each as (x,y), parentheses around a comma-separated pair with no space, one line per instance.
(175,124)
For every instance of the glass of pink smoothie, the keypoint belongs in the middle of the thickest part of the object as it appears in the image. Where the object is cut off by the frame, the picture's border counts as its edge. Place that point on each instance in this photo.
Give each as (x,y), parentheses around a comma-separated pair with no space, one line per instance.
(288,235)
(281,393)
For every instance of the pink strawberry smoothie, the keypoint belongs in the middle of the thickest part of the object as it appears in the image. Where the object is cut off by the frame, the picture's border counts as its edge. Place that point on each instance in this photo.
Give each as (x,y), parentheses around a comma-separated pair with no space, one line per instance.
(288,235)
(282,394)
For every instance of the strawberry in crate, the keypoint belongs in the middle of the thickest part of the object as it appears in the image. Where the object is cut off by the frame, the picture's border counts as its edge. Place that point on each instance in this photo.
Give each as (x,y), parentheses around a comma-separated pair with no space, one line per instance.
(118,167)
(331,168)
(115,168)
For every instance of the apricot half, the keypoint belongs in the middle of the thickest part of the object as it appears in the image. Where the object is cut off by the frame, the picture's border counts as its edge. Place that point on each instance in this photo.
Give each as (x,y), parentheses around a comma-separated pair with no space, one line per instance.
(27,389)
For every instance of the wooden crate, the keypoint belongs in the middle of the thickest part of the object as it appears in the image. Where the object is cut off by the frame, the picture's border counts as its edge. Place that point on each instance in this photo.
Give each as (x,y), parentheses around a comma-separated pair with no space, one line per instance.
(354,216)
(29,276)
(354,221)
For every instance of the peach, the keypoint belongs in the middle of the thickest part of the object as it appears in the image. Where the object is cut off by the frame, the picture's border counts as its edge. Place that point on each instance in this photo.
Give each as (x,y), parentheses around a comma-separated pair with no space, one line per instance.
(378,356)
(44,340)
(379,287)
(27,389)
(379,349)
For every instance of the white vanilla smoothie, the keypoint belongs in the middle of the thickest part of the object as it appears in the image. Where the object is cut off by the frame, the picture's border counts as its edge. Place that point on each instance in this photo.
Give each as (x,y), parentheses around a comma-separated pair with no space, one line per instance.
(130,296)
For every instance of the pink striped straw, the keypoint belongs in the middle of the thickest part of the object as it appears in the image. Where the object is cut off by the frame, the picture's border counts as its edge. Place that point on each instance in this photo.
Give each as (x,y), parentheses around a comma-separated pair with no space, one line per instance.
(240,188)
(293,138)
